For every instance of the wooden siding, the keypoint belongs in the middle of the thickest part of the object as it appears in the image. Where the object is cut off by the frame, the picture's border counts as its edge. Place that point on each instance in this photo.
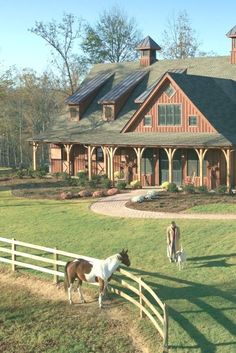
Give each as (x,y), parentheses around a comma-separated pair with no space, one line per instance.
(79,158)
(187,107)
(56,166)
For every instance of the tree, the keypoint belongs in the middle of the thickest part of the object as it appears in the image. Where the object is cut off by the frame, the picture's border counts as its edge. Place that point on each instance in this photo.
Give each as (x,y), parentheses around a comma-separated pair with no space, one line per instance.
(62,38)
(112,39)
(179,39)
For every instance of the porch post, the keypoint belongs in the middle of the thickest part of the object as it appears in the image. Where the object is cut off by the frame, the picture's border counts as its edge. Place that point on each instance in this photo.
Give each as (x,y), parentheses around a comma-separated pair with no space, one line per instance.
(228,167)
(139,153)
(170,153)
(201,154)
(111,152)
(35,147)
(104,158)
(90,153)
(68,149)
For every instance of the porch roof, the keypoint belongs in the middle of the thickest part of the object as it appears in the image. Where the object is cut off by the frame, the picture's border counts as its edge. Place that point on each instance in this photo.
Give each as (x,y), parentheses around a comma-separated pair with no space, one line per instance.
(138,139)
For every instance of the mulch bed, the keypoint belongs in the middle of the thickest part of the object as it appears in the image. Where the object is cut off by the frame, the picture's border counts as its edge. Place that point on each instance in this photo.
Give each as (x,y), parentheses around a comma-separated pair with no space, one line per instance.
(179,202)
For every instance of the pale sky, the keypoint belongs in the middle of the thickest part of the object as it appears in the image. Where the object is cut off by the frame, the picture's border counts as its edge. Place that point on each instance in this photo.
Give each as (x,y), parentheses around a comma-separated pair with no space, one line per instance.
(211,20)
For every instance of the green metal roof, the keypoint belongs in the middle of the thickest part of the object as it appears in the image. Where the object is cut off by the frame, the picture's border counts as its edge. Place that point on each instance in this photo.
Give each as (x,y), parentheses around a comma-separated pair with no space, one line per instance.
(210,83)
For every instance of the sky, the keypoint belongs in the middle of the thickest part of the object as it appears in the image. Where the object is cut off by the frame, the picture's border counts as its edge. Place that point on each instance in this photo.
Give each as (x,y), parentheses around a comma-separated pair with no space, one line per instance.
(210,19)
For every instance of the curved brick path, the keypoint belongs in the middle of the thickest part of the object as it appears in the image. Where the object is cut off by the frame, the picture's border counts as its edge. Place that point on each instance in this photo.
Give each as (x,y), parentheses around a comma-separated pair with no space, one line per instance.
(115,206)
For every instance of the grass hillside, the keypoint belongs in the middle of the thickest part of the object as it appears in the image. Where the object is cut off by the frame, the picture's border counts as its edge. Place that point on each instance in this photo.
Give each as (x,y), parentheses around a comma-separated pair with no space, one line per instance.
(201,298)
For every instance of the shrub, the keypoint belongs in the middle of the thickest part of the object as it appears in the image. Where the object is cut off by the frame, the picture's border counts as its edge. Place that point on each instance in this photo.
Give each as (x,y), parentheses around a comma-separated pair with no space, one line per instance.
(96,178)
(20,173)
(121,185)
(84,193)
(119,175)
(112,191)
(30,172)
(221,189)
(165,185)
(172,187)
(82,173)
(106,183)
(139,198)
(189,188)
(135,184)
(202,189)
(91,183)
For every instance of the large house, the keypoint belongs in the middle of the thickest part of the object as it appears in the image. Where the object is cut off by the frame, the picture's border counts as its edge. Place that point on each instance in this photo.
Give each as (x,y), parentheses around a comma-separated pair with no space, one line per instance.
(167,120)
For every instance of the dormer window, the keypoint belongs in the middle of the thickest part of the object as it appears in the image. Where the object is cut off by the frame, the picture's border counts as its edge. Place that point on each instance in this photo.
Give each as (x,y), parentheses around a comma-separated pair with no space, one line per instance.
(108,112)
(73,113)
(170,91)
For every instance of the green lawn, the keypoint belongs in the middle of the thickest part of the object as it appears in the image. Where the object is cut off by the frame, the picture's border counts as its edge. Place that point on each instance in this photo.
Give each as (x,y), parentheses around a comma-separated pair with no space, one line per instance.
(201,298)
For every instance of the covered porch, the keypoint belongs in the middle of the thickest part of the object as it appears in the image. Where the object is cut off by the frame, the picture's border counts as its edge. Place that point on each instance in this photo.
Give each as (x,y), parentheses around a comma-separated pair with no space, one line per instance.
(151,165)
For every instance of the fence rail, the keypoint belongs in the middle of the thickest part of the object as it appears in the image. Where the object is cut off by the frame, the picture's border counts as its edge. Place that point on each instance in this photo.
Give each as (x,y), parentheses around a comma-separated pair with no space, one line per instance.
(155,310)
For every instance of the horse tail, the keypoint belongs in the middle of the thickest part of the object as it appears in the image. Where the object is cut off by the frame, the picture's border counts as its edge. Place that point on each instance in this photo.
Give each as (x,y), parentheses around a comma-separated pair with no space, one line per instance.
(66,278)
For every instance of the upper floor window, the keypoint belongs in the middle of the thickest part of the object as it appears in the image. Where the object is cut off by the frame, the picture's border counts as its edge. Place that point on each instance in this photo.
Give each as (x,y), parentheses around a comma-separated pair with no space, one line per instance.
(108,112)
(192,120)
(169,114)
(147,120)
(170,91)
(73,113)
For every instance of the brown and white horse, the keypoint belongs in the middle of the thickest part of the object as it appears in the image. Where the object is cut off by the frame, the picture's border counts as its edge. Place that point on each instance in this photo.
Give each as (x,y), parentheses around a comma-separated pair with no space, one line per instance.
(98,271)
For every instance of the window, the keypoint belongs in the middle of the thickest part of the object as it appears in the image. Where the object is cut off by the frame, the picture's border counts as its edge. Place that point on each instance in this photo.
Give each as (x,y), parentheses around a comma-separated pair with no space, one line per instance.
(192,120)
(145,52)
(108,112)
(147,120)
(192,164)
(147,165)
(169,114)
(170,91)
(99,154)
(73,113)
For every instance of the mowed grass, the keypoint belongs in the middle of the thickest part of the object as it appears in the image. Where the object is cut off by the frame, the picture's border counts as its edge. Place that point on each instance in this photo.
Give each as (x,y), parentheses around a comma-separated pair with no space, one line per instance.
(201,298)
(214,208)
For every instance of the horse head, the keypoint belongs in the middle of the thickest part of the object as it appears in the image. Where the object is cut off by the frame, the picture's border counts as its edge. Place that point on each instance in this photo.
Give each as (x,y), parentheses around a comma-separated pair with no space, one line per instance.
(124,257)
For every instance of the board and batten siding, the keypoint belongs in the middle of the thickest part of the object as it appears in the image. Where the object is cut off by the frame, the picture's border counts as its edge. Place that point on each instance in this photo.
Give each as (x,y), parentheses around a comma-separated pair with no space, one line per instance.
(187,109)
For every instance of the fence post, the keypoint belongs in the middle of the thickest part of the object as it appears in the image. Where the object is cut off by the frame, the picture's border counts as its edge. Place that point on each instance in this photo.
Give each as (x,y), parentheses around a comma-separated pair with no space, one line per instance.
(55,266)
(165,329)
(13,256)
(141,314)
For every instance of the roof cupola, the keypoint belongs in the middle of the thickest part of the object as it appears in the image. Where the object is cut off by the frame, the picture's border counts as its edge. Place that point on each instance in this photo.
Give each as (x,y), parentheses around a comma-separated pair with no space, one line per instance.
(232,34)
(148,48)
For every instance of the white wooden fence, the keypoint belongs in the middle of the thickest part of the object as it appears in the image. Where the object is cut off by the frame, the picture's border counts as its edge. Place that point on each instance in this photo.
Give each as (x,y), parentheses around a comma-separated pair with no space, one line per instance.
(155,310)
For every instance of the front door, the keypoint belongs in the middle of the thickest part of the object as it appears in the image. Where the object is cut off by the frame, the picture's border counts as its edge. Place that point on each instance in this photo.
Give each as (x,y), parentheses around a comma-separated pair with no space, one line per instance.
(164,167)
(177,168)
(148,167)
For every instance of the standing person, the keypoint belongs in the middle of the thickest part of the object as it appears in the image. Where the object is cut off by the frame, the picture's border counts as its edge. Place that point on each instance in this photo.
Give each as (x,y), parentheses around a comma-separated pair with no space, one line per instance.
(173,241)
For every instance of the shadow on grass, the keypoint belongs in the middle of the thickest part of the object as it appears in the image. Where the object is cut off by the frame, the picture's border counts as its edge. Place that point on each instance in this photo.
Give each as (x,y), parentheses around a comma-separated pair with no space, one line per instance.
(197,294)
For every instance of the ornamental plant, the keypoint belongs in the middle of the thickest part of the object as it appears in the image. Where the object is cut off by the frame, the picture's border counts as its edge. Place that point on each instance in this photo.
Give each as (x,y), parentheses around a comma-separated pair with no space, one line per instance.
(118,175)
(165,185)
(135,184)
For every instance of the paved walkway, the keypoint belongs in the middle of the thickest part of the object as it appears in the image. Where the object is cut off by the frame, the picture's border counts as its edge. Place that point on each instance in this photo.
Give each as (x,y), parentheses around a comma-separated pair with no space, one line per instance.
(115,206)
